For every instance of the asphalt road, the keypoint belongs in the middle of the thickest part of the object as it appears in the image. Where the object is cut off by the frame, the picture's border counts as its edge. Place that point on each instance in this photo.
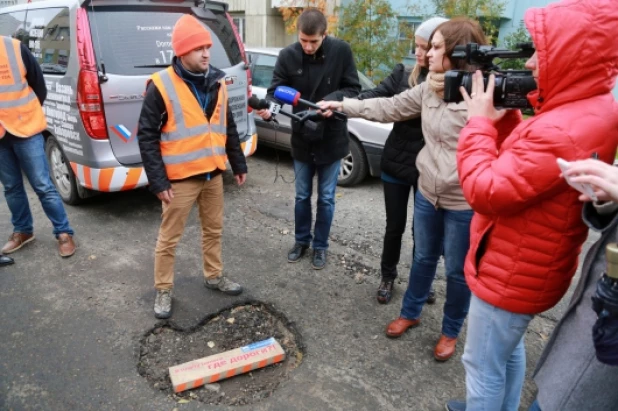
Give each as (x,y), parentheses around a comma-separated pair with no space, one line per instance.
(71,328)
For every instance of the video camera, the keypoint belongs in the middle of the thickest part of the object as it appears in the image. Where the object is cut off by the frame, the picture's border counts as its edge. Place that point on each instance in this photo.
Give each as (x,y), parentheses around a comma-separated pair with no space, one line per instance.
(512,86)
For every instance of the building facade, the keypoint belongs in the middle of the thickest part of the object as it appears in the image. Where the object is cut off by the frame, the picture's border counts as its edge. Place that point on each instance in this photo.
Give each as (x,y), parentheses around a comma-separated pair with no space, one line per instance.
(260,23)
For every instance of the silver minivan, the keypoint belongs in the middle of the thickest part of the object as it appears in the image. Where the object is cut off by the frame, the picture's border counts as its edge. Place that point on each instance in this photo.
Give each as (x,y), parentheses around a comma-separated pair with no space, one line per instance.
(96,56)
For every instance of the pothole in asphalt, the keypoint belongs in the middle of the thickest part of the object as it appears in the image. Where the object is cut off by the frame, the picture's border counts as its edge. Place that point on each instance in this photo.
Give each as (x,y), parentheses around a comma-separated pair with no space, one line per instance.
(168,345)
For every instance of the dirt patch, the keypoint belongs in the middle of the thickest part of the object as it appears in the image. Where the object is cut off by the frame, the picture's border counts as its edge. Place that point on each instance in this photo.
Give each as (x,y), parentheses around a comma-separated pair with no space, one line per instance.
(167,345)
(353,267)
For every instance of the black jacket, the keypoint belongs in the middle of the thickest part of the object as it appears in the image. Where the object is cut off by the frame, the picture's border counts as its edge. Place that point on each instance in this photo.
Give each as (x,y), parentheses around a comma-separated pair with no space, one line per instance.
(154,116)
(36,81)
(334,64)
(405,141)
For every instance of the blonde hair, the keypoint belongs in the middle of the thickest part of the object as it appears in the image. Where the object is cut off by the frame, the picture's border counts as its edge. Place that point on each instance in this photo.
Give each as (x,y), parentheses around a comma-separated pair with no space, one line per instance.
(424,31)
(414,75)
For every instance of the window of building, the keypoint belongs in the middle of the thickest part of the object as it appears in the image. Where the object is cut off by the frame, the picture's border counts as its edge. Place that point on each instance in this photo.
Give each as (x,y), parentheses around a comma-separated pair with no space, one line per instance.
(406,34)
(6,3)
(48,38)
(239,22)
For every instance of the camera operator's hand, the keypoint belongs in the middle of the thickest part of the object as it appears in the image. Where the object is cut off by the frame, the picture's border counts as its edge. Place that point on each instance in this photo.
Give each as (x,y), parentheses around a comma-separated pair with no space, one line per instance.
(264,113)
(480,101)
(602,176)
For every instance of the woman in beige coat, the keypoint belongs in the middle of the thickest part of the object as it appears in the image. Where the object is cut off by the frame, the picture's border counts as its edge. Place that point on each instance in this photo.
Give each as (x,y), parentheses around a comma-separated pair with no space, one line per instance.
(441,214)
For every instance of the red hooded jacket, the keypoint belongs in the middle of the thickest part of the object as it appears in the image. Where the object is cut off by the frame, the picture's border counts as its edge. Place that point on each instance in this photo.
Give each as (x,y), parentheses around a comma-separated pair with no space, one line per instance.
(527,232)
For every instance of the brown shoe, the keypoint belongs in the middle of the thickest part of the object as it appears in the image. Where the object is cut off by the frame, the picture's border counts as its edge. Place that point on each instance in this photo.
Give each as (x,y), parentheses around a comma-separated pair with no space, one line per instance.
(17,241)
(445,348)
(399,326)
(66,245)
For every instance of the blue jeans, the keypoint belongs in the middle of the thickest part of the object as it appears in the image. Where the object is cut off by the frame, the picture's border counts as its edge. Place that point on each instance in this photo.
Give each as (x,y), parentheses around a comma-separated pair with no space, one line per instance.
(28,154)
(494,357)
(437,231)
(327,183)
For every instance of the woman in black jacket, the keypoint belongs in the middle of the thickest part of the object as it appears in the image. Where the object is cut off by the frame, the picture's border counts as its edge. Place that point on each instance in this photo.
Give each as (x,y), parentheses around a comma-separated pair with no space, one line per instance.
(398,164)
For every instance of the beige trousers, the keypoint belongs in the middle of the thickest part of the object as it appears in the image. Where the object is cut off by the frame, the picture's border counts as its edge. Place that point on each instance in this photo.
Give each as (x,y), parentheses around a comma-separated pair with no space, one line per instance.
(209,198)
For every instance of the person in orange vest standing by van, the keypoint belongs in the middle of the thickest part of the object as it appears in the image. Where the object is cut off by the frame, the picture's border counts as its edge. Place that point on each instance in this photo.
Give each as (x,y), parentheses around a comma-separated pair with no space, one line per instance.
(186,132)
(22,148)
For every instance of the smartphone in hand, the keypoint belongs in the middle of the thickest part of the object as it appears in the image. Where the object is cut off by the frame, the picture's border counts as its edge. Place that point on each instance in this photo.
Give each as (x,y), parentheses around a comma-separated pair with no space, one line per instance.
(583,188)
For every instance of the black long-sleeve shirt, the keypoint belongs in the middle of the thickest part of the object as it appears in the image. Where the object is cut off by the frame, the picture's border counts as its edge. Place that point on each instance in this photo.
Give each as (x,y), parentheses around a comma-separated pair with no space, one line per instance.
(36,81)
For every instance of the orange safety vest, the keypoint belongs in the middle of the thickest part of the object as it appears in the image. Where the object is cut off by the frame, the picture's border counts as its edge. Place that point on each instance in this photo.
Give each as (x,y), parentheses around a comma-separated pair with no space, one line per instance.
(21,113)
(190,144)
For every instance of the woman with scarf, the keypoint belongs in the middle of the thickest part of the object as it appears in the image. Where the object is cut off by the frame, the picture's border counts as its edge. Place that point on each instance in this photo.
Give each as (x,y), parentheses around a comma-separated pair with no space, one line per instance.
(398,162)
(441,220)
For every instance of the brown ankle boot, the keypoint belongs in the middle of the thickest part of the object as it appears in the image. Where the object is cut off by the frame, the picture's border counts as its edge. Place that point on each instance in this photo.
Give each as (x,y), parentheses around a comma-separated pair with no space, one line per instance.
(17,241)
(66,245)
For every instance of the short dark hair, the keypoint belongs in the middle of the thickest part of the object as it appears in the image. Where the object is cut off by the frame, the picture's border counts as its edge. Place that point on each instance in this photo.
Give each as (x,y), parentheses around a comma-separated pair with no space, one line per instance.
(311,22)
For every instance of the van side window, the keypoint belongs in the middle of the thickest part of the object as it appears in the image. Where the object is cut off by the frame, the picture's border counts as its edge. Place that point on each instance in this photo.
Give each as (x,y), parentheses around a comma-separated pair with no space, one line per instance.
(12,24)
(49,38)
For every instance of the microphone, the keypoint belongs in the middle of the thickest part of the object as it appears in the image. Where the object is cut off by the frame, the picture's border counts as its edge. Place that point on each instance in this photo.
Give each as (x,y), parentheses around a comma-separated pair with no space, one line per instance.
(288,95)
(258,104)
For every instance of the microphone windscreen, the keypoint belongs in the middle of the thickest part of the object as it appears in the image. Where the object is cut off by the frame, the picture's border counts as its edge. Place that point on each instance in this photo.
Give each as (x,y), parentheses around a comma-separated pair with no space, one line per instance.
(287,95)
(254,102)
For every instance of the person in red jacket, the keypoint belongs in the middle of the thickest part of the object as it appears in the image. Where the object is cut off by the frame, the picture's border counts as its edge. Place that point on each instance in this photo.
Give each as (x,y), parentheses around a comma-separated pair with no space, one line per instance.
(527,231)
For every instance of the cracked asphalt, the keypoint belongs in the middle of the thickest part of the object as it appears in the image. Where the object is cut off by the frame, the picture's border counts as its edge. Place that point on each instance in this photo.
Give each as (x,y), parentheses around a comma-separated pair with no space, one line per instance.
(70,328)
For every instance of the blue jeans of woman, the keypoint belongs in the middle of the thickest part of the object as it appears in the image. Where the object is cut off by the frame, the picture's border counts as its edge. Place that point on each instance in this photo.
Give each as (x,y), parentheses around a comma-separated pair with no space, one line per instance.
(28,154)
(437,231)
(494,357)
(327,183)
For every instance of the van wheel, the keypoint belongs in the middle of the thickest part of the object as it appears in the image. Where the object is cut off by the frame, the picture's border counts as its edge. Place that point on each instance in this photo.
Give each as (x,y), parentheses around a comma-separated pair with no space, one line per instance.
(61,173)
(354,166)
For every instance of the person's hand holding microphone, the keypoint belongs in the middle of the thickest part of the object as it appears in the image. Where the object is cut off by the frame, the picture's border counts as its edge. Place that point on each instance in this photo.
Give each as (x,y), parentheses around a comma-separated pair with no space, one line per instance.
(327,107)
(264,113)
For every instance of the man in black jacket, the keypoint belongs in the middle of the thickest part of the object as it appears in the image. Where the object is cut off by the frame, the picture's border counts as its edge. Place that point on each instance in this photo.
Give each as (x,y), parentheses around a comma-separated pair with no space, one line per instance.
(320,68)
(22,148)
(185,131)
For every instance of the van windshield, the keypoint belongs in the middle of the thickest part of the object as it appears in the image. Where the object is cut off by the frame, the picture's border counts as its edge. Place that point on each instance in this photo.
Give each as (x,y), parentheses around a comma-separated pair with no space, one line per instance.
(138,42)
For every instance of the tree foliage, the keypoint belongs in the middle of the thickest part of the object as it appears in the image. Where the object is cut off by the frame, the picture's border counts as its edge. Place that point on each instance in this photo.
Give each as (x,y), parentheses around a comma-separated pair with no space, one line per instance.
(290,14)
(371,28)
(510,42)
(487,12)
